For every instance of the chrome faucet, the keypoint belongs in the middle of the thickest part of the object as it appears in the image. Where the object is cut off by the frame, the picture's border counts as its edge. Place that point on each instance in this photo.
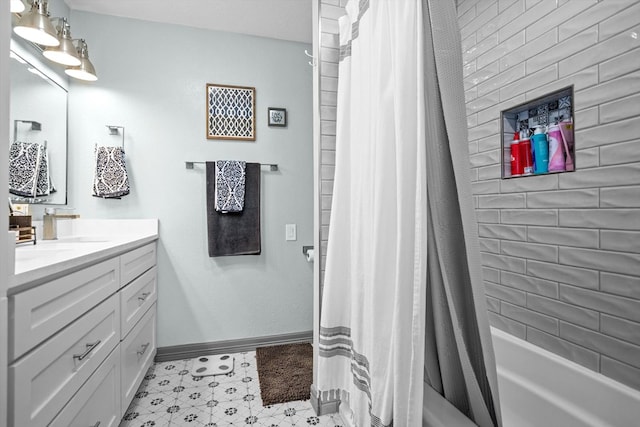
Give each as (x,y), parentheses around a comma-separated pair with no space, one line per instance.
(50,225)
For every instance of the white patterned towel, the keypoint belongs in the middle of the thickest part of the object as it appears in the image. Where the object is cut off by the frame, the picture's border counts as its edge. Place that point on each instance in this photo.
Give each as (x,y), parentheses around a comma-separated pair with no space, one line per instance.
(44,186)
(230,185)
(24,168)
(110,180)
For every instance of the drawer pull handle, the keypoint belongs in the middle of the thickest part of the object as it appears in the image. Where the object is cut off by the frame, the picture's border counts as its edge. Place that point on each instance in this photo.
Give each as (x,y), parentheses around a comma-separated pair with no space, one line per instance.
(89,349)
(96,424)
(144,349)
(144,296)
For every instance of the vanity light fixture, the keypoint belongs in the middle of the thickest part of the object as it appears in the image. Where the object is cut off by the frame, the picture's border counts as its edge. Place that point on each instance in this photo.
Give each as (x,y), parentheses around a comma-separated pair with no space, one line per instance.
(66,53)
(84,71)
(36,26)
(17,6)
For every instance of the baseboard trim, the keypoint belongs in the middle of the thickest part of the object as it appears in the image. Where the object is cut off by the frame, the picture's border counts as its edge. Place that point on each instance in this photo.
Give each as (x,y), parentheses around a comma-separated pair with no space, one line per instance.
(188,351)
(324,403)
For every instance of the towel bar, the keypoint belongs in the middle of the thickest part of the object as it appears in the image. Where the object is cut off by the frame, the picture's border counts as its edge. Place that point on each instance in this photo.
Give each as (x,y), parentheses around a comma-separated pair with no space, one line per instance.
(272,166)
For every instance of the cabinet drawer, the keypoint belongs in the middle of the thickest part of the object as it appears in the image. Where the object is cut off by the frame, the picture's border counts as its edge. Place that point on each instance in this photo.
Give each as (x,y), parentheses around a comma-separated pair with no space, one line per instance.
(97,403)
(136,262)
(40,312)
(42,382)
(136,298)
(137,352)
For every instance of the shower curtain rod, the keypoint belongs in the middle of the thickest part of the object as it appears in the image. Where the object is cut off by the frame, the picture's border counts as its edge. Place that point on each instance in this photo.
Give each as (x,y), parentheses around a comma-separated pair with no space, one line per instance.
(273,166)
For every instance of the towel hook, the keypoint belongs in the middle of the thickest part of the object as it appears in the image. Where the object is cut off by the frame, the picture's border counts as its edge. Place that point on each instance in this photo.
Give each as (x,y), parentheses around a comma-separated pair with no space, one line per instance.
(313,60)
(114,130)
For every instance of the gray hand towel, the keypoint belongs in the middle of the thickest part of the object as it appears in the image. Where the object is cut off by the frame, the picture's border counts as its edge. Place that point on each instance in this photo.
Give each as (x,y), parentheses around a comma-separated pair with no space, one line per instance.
(235,233)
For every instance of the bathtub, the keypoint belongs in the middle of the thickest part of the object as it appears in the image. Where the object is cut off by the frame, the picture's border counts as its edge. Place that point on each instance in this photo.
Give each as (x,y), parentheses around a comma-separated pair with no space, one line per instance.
(539,388)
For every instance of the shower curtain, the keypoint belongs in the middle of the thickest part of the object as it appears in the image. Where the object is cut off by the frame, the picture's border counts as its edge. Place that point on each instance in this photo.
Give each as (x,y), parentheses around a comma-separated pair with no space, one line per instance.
(403,301)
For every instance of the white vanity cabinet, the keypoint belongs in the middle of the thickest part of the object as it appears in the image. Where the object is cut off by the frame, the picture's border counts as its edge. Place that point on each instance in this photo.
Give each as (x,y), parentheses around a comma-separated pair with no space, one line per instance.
(77,342)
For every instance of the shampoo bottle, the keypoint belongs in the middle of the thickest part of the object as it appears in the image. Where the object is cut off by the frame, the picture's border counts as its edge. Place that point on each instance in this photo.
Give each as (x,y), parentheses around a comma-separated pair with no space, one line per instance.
(540,150)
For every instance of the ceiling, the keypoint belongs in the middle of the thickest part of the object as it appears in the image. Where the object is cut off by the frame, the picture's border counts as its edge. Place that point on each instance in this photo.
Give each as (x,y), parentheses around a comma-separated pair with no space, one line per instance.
(278,19)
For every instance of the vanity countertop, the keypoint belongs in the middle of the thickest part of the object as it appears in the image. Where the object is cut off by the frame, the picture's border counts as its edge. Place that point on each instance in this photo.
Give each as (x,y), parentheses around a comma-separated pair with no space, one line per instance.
(80,243)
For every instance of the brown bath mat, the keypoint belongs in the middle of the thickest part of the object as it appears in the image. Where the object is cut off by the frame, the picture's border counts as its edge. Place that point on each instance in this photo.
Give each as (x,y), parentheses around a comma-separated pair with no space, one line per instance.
(285,372)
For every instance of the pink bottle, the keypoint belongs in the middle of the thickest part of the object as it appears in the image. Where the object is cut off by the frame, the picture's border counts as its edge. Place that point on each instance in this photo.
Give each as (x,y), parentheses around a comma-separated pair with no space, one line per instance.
(556,149)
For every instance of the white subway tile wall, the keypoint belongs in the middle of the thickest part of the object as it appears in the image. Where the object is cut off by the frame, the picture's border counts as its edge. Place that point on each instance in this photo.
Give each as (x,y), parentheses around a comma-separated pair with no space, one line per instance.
(561,252)
(330,11)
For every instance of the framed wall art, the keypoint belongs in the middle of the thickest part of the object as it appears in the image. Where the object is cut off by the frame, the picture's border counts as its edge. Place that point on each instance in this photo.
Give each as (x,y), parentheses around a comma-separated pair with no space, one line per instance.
(231,112)
(277,117)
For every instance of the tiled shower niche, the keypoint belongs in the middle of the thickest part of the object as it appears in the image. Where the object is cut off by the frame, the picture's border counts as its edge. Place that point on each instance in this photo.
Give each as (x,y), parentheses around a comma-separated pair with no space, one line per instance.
(553,109)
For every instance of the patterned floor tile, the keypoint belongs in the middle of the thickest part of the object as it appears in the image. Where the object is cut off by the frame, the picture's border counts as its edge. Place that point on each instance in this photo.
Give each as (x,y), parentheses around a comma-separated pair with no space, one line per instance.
(163,384)
(146,402)
(133,419)
(291,412)
(191,416)
(171,396)
(336,420)
(261,411)
(188,363)
(231,377)
(309,418)
(235,412)
(273,422)
(194,396)
(249,361)
(250,397)
(230,391)
(189,381)
(168,368)
(253,386)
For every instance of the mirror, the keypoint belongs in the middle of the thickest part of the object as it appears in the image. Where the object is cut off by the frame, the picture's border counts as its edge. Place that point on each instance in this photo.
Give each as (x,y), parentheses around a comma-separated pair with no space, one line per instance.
(38,136)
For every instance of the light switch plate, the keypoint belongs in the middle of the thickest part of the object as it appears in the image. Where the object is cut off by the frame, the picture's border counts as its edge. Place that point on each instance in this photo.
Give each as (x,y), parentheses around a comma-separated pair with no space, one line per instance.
(290,232)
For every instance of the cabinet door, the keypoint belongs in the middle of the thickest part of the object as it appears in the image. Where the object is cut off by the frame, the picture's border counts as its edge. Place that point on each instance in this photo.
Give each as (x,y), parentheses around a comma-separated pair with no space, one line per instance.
(43,381)
(136,298)
(40,312)
(137,352)
(136,262)
(97,403)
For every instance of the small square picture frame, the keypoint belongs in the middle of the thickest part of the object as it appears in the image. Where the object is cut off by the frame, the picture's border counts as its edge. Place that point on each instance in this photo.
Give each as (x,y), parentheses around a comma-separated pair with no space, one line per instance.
(277,117)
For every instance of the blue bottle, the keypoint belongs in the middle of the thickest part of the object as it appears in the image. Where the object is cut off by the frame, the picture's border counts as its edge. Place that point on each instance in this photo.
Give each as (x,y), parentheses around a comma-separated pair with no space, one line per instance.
(540,147)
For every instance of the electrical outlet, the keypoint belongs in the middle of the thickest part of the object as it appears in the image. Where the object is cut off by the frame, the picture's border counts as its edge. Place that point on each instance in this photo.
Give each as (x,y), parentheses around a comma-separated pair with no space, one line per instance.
(290,232)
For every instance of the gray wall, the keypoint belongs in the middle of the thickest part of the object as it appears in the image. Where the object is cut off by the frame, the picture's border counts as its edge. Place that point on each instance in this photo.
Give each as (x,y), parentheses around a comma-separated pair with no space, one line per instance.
(561,252)
(152,80)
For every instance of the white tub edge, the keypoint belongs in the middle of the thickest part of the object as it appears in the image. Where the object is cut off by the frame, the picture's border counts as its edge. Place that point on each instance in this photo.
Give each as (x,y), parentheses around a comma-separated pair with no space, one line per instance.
(569,389)
(575,395)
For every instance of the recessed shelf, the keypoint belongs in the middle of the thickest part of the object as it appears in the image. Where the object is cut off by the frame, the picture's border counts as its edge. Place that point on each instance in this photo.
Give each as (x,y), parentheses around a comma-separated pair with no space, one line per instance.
(542,126)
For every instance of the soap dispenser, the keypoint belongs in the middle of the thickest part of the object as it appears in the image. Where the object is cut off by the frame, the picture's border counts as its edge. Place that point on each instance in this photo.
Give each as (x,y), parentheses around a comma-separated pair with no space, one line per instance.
(49,226)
